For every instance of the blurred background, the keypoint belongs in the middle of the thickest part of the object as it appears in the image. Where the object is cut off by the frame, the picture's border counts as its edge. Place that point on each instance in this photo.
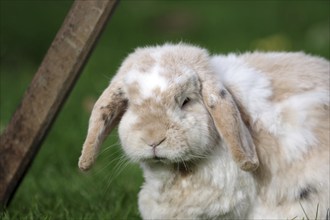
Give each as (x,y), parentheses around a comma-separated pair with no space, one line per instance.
(54,188)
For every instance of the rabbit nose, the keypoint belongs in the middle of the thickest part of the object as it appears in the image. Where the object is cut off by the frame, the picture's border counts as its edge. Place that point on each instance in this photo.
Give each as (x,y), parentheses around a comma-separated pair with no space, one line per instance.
(154,143)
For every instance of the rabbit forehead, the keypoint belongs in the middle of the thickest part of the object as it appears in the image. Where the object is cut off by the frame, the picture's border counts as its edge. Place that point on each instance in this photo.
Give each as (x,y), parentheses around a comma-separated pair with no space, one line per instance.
(167,70)
(168,80)
(146,83)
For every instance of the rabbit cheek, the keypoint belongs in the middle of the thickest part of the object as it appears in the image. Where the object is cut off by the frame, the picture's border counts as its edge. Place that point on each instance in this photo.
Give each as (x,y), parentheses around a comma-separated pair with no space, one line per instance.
(201,134)
(129,137)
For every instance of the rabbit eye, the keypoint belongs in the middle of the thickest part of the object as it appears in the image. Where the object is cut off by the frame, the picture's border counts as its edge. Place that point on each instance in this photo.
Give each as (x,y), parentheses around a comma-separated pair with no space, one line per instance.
(185,102)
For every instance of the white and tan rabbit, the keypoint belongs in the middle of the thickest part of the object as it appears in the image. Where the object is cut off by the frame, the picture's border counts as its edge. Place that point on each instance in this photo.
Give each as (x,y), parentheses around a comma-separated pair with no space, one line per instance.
(235,136)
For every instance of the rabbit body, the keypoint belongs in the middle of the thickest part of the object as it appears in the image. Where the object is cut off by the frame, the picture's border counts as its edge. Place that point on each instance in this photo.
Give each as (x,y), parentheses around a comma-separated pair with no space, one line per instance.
(229,136)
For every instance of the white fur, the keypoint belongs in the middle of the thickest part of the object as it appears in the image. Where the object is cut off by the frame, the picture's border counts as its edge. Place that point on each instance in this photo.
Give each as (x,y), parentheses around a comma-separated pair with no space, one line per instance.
(298,134)
(252,86)
(148,82)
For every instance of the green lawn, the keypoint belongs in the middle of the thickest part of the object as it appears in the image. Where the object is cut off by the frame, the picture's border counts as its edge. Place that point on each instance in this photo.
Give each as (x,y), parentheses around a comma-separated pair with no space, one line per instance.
(54,188)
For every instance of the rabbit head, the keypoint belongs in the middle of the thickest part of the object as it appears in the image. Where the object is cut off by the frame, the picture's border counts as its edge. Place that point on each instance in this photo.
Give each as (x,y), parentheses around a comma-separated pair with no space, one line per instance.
(170,107)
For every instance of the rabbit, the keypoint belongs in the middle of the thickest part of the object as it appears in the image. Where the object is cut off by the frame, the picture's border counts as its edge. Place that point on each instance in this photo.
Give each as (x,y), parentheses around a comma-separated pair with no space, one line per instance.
(236,136)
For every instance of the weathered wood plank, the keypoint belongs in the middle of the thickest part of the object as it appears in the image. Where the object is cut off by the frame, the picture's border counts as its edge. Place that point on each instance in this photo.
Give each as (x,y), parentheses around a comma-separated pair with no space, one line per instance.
(49,88)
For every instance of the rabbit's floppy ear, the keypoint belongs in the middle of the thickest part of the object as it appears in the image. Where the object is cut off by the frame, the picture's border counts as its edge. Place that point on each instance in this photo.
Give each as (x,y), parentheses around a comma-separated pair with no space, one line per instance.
(106,114)
(227,119)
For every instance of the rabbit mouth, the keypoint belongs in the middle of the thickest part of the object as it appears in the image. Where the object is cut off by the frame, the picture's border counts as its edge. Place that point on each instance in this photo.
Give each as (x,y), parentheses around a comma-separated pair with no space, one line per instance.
(179,165)
(159,159)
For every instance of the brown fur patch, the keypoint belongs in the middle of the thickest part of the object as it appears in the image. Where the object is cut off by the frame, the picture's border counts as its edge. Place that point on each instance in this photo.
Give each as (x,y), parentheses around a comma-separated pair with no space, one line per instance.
(184,169)
(285,72)
(145,62)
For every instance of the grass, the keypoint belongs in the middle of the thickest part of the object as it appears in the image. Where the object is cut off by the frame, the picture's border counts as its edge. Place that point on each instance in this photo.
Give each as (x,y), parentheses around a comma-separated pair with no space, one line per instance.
(54,188)
(306,217)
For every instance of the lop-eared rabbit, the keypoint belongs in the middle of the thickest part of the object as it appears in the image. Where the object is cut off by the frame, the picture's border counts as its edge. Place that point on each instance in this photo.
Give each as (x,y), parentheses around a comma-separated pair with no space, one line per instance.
(237,136)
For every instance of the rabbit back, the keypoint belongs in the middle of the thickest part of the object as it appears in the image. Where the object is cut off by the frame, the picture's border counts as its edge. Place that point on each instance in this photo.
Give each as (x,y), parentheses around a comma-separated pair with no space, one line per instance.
(285,97)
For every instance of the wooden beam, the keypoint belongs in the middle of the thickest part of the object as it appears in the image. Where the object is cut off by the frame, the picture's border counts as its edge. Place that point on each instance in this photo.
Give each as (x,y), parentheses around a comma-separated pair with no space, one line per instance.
(48,90)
